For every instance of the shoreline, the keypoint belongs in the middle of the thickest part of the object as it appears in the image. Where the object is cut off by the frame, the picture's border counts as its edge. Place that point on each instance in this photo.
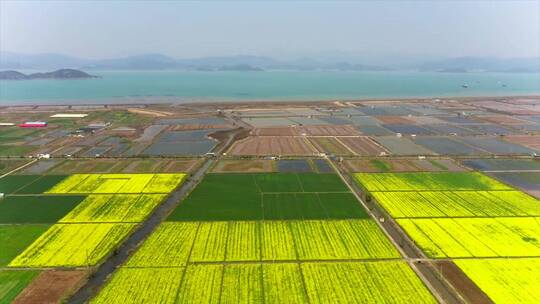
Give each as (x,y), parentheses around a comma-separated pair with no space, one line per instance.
(267,102)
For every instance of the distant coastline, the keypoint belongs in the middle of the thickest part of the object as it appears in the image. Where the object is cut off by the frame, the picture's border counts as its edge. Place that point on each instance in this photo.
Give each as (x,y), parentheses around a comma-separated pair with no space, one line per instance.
(231,86)
(58,74)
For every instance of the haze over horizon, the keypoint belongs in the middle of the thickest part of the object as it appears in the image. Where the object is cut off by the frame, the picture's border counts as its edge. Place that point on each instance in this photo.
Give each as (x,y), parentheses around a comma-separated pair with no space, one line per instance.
(283,30)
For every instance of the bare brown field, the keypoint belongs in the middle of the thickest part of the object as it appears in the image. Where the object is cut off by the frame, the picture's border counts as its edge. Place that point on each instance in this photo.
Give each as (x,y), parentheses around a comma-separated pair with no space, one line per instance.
(267,145)
(394,120)
(531,141)
(277,131)
(52,286)
(324,130)
(363,145)
(149,112)
(462,283)
(181,165)
(255,165)
(330,145)
(338,130)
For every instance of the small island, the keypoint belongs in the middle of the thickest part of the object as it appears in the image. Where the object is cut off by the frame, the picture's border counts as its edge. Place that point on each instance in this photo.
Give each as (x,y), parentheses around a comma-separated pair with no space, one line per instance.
(58,74)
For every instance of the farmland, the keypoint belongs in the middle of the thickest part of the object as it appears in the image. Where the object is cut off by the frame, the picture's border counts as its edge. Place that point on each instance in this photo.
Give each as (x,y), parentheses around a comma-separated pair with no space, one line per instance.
(72,245)
(269,283)
(273,221)
(117,183)
(448,211)
(506,280)
(261,237)
(472,219)
(12,282)
(81,230)
(435,181)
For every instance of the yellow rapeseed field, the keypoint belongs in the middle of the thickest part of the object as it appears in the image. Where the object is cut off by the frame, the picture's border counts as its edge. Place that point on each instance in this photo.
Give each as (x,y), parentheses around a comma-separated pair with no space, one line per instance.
(119,183)
(72,245)
(505,280)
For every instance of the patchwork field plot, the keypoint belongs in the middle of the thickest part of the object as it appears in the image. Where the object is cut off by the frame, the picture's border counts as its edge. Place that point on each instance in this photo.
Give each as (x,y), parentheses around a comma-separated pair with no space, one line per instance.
(270,145)
(330,145)
(15,238)
(176,243)
(114,208)
(505,280)
(118,183)
(287,196)
(12,282)
(169,245)
(468,215)
(458,204)
(7,165)
(294,165)
(475,237)
(432,181)
(160,286)
(11,183)
(36,209)
(72,245)
(240,238)
(401,165)
(389,282)
(526,181)
(258,165)
(52,286)
(363,145)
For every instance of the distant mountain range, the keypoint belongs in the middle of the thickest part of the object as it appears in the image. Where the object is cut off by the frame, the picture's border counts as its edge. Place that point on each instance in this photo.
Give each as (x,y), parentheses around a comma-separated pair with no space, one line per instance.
(59,74)
(19,61)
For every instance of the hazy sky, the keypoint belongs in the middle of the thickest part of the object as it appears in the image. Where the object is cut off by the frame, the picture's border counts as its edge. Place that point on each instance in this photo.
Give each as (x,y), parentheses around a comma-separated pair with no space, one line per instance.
(100,29)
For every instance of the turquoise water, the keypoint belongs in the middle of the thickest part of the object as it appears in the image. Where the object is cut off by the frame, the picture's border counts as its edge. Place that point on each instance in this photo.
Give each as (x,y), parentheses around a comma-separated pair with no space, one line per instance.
(184,86)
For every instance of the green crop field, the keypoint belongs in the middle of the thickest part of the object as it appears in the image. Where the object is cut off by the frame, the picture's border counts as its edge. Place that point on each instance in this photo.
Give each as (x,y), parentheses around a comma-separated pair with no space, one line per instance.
(15,238)
(290,206)
(11,183)
(272,196)
(41,184)
(6,150)
(12,282)
(36,209)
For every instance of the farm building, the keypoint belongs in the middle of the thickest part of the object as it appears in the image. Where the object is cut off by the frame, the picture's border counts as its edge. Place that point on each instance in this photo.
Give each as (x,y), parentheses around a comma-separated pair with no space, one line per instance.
(33,124)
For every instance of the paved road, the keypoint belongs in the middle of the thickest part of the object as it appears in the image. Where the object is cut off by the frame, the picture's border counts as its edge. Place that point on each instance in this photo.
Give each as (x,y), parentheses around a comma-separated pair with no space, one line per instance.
(120,255)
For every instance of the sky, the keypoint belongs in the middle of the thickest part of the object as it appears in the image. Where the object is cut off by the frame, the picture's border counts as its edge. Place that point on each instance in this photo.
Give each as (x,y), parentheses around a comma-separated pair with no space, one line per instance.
(284,29)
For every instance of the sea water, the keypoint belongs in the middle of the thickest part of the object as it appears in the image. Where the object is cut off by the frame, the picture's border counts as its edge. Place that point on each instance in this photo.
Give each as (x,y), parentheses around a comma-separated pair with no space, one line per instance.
(190,86)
